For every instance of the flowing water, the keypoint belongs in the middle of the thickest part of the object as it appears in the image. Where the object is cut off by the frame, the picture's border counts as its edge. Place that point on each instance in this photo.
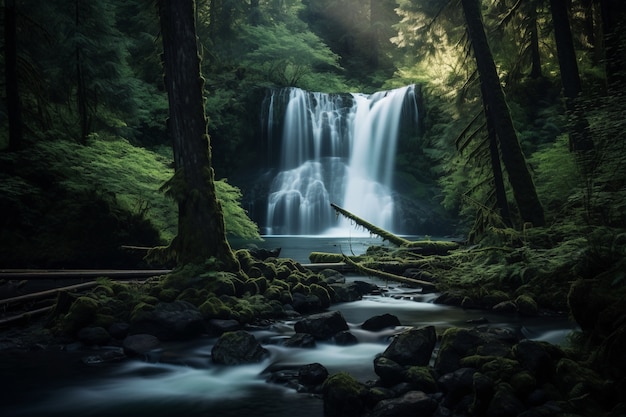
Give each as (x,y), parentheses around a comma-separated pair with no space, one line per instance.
(181,379)
(334,149)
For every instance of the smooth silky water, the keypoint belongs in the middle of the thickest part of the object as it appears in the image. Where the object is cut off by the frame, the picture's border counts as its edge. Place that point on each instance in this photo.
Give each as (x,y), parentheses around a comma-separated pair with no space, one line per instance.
(181,379)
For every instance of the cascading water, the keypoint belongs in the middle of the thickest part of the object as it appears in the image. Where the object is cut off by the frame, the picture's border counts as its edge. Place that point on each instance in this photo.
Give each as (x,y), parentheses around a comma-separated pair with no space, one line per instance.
(335,148)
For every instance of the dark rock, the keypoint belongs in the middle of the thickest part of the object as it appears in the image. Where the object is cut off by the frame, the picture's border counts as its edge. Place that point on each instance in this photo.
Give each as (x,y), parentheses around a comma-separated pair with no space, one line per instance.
(457,384)
(504,403)
(344,293)
(119,330)
(547,410)
(344,396)
(389,371)
(306,303)
(140,344)
(91,336)
(323,325)
(505,307)
(383,321)
(534,357)
(458,343)
(179,320)
(238,347)
(413,346)
(483,392)
(365,288)
(345,338)
(221,326)
(312,374)
(449,298)
(413,403)
(422,378)
(300,340)
(111,355)
(526,305)
(333,277)
(262,253)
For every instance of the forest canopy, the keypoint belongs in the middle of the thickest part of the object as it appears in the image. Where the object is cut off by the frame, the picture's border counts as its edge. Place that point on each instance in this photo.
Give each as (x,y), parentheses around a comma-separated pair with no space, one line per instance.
(84,109)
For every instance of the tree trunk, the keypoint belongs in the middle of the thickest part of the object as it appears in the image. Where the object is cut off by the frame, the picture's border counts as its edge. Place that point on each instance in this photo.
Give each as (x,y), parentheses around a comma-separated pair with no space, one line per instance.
(613,13)
(580,139)
(10,61)
(535,71)
(201,232)
(520,179)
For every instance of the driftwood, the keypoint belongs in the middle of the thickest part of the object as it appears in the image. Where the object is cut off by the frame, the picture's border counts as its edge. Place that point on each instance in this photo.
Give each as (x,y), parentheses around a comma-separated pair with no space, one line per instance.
(424,247)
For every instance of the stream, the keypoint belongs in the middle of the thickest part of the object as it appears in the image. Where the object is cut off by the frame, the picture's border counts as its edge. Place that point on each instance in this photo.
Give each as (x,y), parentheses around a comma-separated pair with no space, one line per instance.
(182,380)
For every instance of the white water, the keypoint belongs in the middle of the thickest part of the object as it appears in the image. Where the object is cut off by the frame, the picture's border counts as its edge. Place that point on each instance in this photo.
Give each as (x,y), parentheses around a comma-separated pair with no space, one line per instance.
(335,150)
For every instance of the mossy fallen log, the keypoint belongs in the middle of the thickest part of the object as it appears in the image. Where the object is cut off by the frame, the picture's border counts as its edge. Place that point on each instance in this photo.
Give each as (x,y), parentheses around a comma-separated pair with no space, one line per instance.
(385,275)
(424,247)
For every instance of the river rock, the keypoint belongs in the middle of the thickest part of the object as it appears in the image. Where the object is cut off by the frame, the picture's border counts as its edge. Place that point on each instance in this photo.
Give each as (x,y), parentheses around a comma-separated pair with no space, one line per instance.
(413,346)
(236,348)
(458,343)
(119,330)
(179,320)
(94,336)
(140,344)
(457,384)
(413,403)
(534,357)
(306,303)
(344,396)
(345,338)
(300,340)
(376,323)
(221,326)
(322,326)
(346,293)
(332,276)
(312,374)
(389,371)
(504,403)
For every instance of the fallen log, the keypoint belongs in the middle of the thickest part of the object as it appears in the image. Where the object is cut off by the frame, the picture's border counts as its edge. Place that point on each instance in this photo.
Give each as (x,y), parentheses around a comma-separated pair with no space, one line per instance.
(386,275)
(424,247)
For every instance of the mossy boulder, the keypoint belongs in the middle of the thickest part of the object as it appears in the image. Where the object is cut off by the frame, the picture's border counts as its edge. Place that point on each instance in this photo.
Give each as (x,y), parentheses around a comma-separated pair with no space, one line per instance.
(236,348)
(422,378)
(82,312)
(179,320)
(413,346)
(526,305)
(214,308)
(344,396)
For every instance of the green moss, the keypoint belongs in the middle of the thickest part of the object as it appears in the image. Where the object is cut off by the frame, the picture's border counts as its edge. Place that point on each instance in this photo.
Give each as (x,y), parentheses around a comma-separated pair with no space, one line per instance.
(140,310)
(301,288)
(501,369)
(168,294)
(476,361)
(526,305)
(523,383)
(273,293)
(321,293)
(214,308)
(82,312)
(422,377)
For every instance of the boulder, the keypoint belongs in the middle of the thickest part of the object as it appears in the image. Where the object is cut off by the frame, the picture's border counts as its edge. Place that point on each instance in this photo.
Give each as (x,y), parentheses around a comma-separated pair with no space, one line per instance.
(140,344)
(458,343)
(413,403)
(312,374)
(343,396)
(534,357)
(345,338)
(504,403)
(221,326)
(236,348)
(413,346)
(422,378)
(306,303)
(376,323)
(345,292)
(322,326)
(389,371)
(300,340)
(94,336)
(457,384)
(179,320)
(119,330)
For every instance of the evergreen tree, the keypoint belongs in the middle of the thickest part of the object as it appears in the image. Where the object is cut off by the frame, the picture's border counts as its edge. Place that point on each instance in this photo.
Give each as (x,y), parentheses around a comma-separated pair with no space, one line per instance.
(514,162)
(201,232)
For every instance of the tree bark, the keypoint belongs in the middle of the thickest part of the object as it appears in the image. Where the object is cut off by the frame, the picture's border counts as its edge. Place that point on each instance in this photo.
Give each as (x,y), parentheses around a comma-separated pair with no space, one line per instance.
(580,139)
(535,71)
(520,179)
(10,61)
(201,232)
(613,13)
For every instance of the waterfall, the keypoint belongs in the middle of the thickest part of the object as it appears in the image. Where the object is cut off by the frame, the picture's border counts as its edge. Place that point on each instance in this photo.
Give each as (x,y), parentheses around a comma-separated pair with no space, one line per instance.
(334,148)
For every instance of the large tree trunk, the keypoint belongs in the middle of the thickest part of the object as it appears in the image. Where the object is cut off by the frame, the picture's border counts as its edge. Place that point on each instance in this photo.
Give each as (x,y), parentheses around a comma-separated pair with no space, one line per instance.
(10,62)
(201,232)
(580,139)
(535,71)
(514,162)
(613,13)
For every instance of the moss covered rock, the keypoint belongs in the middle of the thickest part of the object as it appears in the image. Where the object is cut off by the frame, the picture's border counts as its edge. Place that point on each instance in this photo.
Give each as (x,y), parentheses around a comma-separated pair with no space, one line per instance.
(344,396)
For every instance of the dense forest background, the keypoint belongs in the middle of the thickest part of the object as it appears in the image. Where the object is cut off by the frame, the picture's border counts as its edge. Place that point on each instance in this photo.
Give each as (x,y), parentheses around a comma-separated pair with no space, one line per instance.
(85,149)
